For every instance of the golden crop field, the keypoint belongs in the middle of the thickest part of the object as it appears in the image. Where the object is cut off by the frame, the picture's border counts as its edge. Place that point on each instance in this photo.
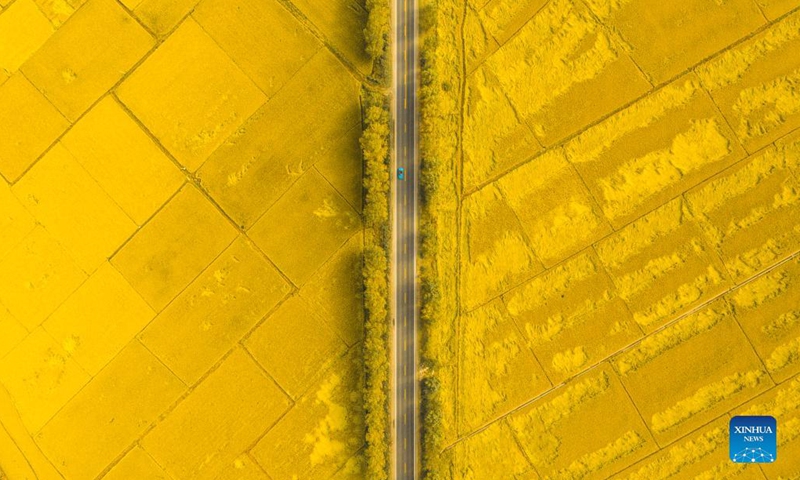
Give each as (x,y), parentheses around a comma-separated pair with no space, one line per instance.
(181,239)
(623,175)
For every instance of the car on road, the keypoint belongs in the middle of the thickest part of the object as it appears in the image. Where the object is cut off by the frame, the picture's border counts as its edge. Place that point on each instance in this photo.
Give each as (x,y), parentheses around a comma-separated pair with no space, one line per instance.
(401,173)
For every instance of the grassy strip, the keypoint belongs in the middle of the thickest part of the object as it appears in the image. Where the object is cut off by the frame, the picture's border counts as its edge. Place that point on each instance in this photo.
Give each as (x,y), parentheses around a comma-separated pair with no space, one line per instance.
(440,149)
(375,147)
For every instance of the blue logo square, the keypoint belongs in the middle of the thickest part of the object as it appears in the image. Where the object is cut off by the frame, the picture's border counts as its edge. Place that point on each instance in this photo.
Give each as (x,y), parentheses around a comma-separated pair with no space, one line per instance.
(753,439)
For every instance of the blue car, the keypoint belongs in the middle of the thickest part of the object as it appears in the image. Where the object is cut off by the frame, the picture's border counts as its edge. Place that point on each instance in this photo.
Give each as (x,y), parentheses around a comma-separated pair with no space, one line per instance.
(401,173)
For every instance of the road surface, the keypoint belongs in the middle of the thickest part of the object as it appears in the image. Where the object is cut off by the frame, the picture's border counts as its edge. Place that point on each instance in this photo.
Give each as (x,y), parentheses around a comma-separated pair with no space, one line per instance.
(405,248)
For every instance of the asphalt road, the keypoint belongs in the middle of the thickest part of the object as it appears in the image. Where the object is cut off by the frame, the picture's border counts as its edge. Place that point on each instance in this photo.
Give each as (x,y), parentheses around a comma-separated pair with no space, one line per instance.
(406,439)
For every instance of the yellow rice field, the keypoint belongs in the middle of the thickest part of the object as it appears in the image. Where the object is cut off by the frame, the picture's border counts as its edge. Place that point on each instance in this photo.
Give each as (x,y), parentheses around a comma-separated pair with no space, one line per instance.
(628,222)
(181,239)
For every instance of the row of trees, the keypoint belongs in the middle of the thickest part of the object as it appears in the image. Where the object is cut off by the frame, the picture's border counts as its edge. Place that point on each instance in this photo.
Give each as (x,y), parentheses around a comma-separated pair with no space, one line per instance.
(440,109)
(377,35)
(375,147)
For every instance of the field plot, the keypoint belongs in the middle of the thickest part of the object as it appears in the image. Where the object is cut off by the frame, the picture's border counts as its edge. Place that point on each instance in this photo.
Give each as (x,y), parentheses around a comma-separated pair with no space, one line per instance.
(628,257)
(547,429)
(702,455)
(181,240)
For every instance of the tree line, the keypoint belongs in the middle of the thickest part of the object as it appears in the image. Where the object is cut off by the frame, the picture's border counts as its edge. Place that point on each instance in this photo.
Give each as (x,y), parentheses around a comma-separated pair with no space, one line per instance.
(376,152)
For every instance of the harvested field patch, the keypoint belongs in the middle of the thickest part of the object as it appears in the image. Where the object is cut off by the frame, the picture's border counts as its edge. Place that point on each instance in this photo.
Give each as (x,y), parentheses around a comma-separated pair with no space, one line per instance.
(622,176)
